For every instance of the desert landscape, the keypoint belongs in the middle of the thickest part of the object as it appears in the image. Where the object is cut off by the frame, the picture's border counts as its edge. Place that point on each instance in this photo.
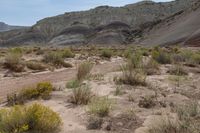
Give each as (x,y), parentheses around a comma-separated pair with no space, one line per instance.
(134,70)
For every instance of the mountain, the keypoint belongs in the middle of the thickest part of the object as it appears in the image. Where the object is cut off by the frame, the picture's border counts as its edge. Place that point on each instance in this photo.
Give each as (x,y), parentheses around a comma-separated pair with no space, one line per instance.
(146,23)
(6,27)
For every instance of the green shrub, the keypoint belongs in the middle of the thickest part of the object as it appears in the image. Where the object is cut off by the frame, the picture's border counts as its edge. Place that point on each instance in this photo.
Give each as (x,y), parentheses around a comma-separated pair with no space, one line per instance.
(35,65)
(73,84)
(67,53)
(100,106)
(31,119)
(81,95)
(14,62)
(107,53)
(54,58)
(84,70)
(42,90)
(133,73)
(161,56)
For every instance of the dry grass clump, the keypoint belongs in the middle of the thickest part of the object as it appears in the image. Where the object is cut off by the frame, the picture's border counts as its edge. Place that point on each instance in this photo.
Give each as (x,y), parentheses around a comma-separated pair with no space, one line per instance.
(190,57)
(73,84)
(84,70)
(14,62)
(161,56)
(133,72)
(147,102)
(166,125)
(151,67)
(31,119)
(106,53)
(100,106)
(188,120)
(67,53)
(81,95)
(42,90)
(54,58)
(36,65)
(178,70)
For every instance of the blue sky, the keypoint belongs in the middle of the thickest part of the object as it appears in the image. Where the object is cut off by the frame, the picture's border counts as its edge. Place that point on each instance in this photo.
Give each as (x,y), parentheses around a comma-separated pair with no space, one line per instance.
(27,12)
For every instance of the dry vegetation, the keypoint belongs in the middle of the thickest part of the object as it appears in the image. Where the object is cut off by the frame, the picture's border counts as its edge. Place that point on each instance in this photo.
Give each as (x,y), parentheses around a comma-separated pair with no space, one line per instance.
(135,89)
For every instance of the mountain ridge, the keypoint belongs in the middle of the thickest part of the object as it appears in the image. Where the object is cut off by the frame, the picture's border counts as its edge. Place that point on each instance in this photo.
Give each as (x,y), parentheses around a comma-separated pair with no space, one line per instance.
(102,25)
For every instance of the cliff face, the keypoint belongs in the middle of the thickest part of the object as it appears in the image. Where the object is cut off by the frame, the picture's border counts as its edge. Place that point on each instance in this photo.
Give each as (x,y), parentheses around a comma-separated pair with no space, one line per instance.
(102,25)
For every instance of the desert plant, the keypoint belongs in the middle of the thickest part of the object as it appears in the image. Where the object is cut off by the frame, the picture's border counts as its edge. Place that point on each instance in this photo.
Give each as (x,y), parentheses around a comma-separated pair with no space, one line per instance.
(81,95)
(67,65)
(147,102)
(35,65)
(73,84)
(67,53)
(84,70)
(14,62)
(44,89)
(31,119)
(161,56)
(151,67)
(54,58)
(178,69)
(166,125)
(107,53)
(100,106)
(133,73)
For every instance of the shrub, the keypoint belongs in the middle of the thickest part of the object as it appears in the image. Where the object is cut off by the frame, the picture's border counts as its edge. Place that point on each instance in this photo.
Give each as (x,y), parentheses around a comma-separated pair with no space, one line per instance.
(73,84)
(94,122)
(166,125)
(100,106)
(67,65)
(132,77)
(13,62)
(84,70)
(32,119)
(81,95)
(67,53)
(178,70)
(118,91)
(161,56)
(42,90)
(54,58)
(151,67)
(35,65)
(133,73)
(147,102)
(107,53)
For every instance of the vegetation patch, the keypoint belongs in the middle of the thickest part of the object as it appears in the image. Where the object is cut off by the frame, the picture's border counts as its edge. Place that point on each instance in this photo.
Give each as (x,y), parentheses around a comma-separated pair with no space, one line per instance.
(35,65)
(31,119)
(42,90)
(100,106)
(81,95)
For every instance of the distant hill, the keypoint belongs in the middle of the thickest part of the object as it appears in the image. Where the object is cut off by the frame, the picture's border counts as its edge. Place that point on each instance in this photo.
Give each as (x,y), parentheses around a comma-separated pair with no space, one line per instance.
(146,23)
(6,27)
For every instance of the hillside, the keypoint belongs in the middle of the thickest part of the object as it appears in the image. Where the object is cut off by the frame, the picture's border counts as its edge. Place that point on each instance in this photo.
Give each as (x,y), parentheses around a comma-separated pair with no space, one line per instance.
(102,25)
(6,27)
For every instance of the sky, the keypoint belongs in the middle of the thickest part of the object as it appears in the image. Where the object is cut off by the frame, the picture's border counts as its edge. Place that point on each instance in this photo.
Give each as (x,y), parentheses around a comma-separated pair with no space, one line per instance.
(28,12)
